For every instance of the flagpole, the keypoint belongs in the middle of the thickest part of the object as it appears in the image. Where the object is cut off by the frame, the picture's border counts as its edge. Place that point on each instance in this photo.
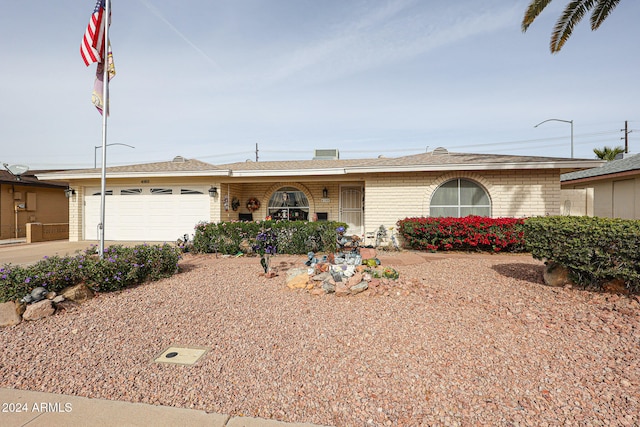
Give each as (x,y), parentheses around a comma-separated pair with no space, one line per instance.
(105,113)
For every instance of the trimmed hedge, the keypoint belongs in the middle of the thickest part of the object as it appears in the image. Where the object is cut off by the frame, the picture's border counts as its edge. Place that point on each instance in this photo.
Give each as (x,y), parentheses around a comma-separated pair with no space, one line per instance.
(120,267)
(471,233)
(595,250)
(292,237)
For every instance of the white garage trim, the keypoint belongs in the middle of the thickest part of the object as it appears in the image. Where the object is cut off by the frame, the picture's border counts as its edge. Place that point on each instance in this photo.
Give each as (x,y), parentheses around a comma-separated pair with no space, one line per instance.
(146,213)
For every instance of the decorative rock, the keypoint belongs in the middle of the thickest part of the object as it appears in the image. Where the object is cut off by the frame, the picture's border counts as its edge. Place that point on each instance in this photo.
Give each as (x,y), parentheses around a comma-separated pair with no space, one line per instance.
(9,314)
(51,295)
(293,272)
(615,286)
(354,280)
(360,287)
(316,292)
(20,308)
(66,305)
(38,310)
(342,291)
(58,299)
(349,271)
(367,253)
(336,275)
(328,287)
(556,275)
(322,276)
(298,282)
(77,293)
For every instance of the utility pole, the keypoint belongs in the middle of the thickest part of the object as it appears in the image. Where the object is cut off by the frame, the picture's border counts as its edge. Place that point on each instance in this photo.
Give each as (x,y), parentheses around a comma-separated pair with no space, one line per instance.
(626,136)
(256,151)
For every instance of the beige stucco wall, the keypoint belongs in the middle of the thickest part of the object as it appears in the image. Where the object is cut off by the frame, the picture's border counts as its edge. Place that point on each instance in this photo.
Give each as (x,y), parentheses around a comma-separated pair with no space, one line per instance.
(576,202)
(614,198)
(50,207)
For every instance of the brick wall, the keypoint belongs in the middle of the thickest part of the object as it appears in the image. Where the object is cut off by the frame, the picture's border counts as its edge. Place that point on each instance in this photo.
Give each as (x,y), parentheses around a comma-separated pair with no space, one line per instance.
(390,197)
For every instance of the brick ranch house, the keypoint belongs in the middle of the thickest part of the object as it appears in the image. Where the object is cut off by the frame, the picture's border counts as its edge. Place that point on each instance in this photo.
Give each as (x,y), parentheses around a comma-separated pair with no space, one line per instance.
(163,201)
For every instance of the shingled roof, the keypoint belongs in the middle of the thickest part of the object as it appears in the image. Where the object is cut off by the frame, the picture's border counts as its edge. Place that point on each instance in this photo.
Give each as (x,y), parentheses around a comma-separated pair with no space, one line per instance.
(179,166)
(628,164)
(28,180)
(431,161)
(417,162)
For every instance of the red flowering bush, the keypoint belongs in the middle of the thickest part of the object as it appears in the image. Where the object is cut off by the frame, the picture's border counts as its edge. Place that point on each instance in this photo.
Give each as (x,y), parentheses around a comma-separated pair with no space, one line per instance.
(471,233)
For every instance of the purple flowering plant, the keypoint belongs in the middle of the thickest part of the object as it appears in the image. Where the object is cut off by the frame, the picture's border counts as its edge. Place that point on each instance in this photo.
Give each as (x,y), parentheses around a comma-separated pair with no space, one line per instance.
(266,244)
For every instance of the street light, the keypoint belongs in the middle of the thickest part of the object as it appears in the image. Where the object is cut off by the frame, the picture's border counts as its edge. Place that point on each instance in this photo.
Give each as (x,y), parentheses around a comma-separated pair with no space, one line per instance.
(560,120)
(95,152)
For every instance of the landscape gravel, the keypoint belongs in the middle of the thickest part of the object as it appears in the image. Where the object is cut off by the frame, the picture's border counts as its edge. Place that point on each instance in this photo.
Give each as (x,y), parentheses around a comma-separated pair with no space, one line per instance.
(465,340)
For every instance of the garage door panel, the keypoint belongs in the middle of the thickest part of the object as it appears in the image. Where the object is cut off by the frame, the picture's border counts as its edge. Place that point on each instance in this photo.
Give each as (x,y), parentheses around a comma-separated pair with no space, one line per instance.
(146,217)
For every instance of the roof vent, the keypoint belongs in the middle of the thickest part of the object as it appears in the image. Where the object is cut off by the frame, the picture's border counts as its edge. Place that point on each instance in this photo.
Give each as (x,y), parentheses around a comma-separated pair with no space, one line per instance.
(179,159)
(332,154)
(439,151)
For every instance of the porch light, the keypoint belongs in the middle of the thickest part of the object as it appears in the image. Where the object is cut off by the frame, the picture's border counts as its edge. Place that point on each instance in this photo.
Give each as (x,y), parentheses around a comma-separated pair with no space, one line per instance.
(213,192)
(69,192)
(325,193)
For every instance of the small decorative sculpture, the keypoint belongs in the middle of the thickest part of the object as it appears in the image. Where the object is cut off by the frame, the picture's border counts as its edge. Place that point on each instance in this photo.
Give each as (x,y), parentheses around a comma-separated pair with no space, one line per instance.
(344,244)
(341,241)
(312,261)
(38,294)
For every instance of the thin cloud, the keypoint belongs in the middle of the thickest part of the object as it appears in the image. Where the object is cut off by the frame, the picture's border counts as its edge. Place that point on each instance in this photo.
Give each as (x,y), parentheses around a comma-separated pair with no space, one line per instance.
(159,15)
(385,36)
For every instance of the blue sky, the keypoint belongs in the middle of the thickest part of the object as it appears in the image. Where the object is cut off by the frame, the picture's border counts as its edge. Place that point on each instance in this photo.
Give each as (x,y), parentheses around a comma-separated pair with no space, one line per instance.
(208,79)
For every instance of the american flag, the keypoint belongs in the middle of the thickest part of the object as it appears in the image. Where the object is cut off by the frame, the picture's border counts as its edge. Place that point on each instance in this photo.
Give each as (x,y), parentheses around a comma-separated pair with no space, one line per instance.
(92,47)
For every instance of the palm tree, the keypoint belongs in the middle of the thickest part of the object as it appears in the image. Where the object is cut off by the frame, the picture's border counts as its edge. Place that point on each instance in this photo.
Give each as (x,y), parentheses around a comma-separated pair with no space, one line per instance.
(608,153)
(573,13)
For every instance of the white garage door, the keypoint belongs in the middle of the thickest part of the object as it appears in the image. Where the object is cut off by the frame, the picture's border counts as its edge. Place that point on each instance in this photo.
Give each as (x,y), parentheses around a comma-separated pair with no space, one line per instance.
(146,213)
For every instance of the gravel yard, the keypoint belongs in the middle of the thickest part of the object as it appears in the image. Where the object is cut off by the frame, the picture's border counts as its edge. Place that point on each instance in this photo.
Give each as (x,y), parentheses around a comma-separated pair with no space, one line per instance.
(470,340)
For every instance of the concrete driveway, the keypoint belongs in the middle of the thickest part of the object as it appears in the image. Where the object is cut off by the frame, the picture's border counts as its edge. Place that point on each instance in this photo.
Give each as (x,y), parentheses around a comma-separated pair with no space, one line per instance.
(25,254)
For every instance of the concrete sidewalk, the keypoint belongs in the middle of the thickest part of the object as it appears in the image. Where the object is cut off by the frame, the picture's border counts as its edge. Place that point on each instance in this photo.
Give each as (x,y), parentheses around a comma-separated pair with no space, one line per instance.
(35,409)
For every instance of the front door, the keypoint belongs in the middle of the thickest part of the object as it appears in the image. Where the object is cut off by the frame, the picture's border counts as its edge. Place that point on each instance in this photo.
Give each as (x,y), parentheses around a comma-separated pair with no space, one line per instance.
(351,208)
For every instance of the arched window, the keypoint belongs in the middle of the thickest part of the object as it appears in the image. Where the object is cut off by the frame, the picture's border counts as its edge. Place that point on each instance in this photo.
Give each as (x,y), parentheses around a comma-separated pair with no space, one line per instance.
(459,198)
(288,203)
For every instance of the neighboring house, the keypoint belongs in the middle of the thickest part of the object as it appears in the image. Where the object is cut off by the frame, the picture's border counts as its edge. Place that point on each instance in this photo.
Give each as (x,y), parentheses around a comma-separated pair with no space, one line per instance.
(164,201)
(26,199)
(615,186)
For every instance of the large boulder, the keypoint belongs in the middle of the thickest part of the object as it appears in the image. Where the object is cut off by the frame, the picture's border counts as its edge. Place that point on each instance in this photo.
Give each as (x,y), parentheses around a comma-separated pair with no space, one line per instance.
(77,293)
(556,275)
(38,310)
(9,314)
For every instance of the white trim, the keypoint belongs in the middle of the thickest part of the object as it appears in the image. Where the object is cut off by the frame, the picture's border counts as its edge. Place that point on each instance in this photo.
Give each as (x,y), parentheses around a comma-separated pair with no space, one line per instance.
(285,172)
(477,166)
(94,175)
(561,164)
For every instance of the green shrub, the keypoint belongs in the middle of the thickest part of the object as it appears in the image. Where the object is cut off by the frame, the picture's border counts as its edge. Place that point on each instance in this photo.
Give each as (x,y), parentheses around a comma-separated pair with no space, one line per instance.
(471,233)
(120,267)
(594,250)
(293,237)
